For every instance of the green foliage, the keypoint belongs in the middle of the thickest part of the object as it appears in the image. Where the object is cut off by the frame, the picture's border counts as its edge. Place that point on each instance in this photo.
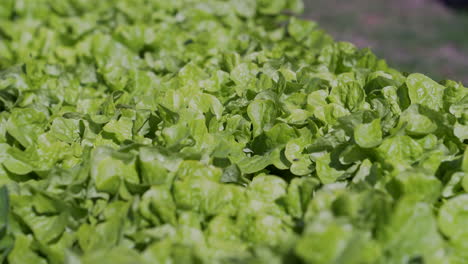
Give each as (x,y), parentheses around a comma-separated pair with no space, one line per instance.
(211,131)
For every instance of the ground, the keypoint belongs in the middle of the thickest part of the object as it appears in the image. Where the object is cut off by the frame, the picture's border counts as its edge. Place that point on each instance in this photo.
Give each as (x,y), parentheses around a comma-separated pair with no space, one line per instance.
(412,35)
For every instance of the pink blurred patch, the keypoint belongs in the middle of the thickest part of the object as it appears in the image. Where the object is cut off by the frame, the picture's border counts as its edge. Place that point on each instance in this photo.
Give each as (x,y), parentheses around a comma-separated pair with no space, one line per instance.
(372,19)
(453,53)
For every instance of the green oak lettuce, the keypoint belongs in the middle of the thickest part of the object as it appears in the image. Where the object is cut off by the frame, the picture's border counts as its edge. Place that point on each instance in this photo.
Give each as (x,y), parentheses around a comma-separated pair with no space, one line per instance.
(219,131)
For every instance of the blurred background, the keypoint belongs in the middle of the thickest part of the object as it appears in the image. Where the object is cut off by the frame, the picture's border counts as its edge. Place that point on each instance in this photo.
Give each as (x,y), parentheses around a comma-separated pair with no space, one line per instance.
(412,35)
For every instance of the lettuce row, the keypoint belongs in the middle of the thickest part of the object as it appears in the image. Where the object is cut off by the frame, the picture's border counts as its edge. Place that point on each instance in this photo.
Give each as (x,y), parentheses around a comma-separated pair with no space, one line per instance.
(187,131)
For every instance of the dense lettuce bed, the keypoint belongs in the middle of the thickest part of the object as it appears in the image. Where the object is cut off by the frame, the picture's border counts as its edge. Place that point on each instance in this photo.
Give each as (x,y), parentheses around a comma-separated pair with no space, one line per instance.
(185,131)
